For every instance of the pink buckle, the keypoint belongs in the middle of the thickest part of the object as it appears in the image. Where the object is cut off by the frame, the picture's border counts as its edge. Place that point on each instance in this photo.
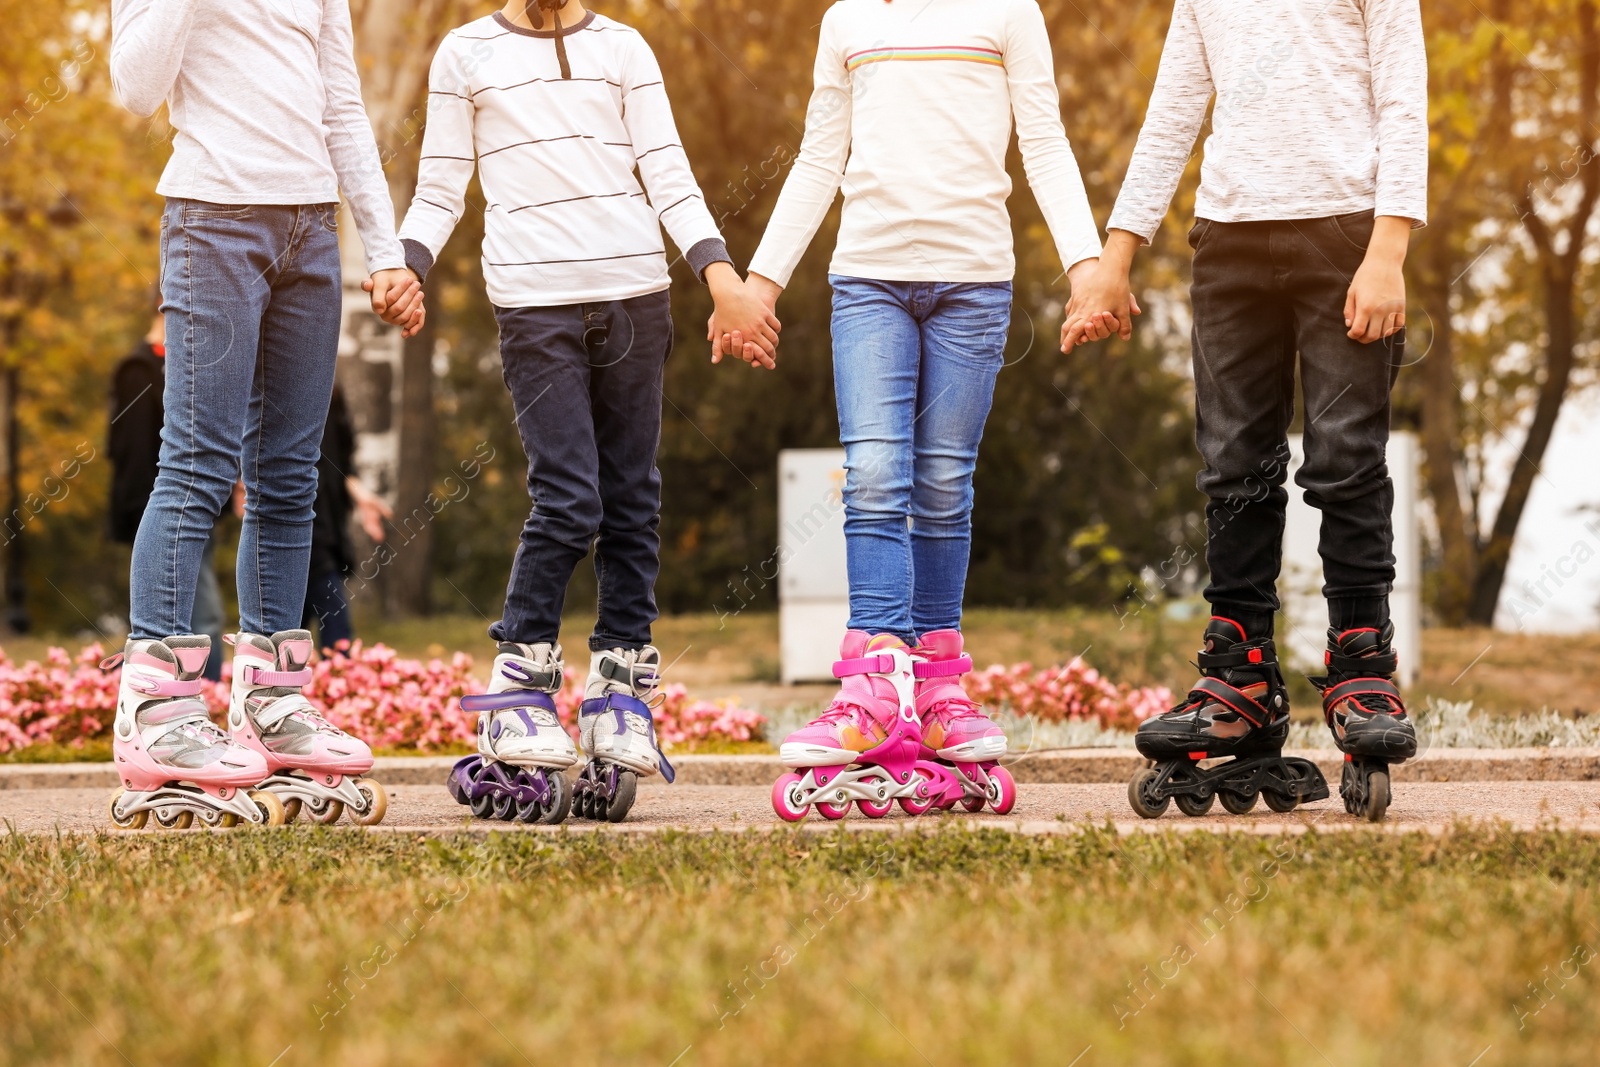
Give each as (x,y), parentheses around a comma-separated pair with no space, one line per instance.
(942,668)
(254,675)
(865,665)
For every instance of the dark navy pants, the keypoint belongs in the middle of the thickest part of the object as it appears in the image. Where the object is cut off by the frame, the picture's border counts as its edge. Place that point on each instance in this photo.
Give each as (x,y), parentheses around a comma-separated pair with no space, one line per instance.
(585,382)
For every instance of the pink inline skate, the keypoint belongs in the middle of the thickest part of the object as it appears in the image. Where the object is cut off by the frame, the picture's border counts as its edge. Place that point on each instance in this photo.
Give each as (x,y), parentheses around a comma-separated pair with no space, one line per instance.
(955,731)
(867,747)
(313,763)
(172,759)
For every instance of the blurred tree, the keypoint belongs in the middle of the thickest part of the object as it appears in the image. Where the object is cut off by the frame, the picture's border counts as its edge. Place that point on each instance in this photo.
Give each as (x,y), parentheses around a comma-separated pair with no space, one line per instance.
(78,233)
(1505,271)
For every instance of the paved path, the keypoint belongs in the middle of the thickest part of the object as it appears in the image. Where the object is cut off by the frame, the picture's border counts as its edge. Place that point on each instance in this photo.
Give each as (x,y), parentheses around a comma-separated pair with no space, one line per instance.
(1041,808)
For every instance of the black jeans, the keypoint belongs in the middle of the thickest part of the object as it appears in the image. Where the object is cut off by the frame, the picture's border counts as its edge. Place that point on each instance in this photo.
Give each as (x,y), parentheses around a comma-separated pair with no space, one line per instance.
(585,381)
(1264,292)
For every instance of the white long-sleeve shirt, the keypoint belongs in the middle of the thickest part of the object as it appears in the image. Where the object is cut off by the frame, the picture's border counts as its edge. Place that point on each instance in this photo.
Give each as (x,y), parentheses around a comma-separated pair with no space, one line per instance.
(911,115)
(566,221)
(1322,109)
(266,102)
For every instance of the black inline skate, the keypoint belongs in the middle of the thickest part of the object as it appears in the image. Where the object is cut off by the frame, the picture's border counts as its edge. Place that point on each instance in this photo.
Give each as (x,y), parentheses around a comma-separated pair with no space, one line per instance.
(1368,718)
(1237,712)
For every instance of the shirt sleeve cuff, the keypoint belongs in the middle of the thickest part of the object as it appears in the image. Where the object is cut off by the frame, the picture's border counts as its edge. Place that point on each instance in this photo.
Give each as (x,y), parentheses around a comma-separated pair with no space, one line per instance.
(418,258)
(702,255)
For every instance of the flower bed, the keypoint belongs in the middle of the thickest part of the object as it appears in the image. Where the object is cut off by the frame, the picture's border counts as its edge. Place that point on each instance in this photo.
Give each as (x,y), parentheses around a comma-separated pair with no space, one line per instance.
(1075,692)
(373,692)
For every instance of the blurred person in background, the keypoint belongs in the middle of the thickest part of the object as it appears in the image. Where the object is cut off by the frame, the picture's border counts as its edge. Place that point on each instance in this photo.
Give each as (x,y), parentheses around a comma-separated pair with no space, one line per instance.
(134,446)
(339,491)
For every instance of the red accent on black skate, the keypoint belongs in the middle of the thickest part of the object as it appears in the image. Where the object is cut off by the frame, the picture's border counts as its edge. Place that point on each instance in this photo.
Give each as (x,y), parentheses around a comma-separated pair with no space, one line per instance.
(1235,699)
(1352,688)
(1222,618)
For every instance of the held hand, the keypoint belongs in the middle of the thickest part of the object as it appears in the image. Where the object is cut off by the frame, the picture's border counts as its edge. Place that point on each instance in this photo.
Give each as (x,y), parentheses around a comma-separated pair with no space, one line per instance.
(767,291)
(741,324)
(1375,307)
(397,298)
(1101,304)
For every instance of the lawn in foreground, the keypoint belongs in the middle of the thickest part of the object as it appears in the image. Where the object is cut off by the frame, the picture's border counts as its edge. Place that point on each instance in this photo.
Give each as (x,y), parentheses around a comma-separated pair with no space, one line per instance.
(956,947)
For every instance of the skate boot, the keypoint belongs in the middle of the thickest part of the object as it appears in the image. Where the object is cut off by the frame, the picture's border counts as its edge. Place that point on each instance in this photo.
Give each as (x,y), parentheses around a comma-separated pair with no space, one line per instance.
(522,746)
(955,729)
(617,732)
(313,764)
(1237,712)
(1366,714)
(867,747)
(172,759)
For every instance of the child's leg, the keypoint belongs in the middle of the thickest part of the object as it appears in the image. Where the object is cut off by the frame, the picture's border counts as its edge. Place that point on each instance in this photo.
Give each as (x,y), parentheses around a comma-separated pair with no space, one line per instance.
(1243,348)
(625,396)
(1347,386)
(214,295)
(877,349)
(288,405)
(546,367)
(963,348)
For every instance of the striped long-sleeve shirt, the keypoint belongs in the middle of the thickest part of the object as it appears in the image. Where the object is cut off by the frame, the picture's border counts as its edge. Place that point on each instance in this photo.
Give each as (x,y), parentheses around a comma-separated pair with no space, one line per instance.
(566,219)
(1322,109)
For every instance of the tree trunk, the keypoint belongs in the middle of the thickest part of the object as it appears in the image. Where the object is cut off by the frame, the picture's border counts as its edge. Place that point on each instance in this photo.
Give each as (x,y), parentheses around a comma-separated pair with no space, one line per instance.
(410,574)
(390,384)
(1441,436)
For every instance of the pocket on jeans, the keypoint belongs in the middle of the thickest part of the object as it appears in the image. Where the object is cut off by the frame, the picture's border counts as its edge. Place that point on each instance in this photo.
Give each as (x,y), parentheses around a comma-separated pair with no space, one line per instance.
(1197,233)
(1355,228)
(329,216)
(197,209)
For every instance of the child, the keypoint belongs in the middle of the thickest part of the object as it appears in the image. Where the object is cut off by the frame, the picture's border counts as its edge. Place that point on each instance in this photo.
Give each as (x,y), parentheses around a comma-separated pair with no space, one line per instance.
(270,125)
(1295,251)
(911,115)
(557,106)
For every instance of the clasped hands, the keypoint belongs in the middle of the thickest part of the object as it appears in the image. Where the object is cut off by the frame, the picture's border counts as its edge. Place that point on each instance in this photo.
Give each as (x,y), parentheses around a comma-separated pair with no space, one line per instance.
(744,320)
(397,299)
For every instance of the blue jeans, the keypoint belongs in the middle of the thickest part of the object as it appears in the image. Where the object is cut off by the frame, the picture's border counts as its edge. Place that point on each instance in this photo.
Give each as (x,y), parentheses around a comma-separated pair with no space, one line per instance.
(914,365)
(252,301)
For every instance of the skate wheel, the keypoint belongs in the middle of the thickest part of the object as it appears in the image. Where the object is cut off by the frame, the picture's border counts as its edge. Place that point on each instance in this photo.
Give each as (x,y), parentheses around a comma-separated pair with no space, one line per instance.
(133,821)
(786,798)
(560,802)
(1002,791)
(1194,807)
(291,810)
(1282,803)
(1142,799)
(872,809)
(1377,796)
(270,807)
(377,803)
(1237,803)
(181,820)
(973,804)
(505,808)
(218,820)
(325,812)
(834,812)
(482,807)
(621,801)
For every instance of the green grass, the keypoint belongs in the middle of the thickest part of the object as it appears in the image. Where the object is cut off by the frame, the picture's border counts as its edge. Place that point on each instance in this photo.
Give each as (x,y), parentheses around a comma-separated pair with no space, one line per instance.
(314,947)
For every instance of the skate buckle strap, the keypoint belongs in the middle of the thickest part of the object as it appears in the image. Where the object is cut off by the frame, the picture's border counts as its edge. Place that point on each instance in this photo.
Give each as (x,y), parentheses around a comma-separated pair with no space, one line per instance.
(1387,663)
(881,664)
(545,679)
(1264,654)
(1239,701)
(940,668)
(156,686)
(512,698)
(254,675)
(1356,687)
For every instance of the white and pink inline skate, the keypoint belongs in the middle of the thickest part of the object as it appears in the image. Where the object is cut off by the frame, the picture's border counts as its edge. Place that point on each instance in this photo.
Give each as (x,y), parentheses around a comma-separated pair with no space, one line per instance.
(311,763)
(867,747)
(954,729)
(174,762)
